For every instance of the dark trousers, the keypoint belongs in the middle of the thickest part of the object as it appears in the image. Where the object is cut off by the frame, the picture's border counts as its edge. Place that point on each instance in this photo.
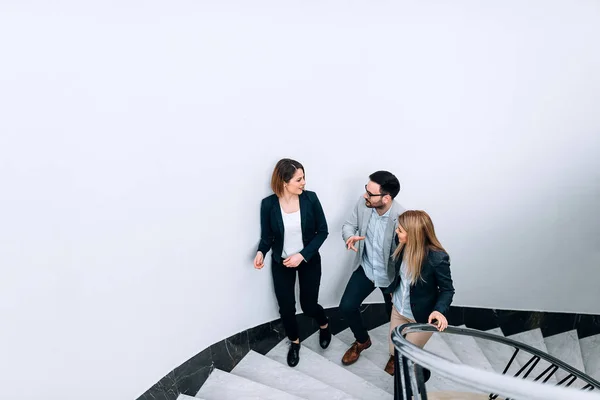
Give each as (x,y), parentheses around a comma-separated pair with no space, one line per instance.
(284,280)
(357,290)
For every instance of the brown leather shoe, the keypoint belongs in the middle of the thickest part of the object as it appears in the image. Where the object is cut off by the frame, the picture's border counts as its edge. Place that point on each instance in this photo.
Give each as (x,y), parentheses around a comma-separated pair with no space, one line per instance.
(389,367)
(354,351)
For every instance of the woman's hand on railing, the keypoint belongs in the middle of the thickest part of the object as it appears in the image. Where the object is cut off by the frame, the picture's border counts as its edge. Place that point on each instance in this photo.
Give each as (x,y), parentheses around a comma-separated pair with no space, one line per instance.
(441,321)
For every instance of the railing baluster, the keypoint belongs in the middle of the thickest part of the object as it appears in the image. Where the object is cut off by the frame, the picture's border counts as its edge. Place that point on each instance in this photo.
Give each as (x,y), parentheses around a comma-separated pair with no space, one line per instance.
(535,360)
(421,382)
(493,396)
(407,389)
(398,395)
(551,367)
(510,362)
(413,380)
(573,379)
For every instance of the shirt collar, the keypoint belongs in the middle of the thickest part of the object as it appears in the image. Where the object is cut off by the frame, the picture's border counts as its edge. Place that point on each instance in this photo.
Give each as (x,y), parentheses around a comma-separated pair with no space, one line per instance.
(385,215)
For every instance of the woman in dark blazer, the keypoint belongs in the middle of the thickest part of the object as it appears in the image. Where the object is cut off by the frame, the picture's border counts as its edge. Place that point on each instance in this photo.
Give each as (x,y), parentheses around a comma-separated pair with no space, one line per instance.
(423,290)
(293,226)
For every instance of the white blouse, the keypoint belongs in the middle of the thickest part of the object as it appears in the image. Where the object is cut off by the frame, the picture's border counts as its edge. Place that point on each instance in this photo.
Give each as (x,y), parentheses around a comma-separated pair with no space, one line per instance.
(401,297)
(292,237)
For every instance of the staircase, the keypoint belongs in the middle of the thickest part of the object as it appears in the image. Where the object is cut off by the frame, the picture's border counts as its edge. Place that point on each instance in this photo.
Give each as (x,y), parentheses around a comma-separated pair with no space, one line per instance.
(320,374)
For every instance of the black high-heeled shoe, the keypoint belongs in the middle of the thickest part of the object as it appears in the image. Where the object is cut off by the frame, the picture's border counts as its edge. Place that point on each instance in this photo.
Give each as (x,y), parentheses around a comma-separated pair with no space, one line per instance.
(293,356)
(426,374)
(324,337)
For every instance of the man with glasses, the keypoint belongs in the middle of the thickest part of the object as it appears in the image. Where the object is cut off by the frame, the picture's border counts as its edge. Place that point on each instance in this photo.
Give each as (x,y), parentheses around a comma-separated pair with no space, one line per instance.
(370,233)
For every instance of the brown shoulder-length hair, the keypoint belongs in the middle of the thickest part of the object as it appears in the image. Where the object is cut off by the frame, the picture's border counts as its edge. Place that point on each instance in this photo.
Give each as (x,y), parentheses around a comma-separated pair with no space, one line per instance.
(283,172)
(421,239)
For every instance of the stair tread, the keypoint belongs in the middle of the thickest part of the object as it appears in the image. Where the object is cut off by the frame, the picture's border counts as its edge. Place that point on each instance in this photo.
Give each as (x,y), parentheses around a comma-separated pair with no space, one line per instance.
(186,397)
(334,375)
(347,336)
(379,354)
(382,332)
(534,339)
(467,351)
(565,347)
(264,370)
(498,354)
(451,395)
(364,367)
(436,345)
(439,347)
(238,388)
(590,353)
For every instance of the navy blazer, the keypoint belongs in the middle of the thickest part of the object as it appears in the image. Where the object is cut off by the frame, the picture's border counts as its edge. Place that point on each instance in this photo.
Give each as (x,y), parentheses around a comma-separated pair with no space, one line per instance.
(434,290)
(312,219)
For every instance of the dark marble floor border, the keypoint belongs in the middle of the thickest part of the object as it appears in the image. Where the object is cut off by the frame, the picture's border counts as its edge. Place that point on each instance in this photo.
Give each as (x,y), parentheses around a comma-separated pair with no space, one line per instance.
(224,355)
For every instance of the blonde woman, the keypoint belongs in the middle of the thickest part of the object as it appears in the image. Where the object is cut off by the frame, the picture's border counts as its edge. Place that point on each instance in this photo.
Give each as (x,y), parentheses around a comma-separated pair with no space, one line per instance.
(423,290)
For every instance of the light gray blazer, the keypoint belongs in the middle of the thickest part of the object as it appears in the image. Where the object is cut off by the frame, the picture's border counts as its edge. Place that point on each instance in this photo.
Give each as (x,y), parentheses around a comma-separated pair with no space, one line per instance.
(357,225)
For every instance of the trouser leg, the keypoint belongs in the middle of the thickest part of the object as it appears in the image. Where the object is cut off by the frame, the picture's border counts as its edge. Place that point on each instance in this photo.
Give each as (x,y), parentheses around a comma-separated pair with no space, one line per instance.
(357,290)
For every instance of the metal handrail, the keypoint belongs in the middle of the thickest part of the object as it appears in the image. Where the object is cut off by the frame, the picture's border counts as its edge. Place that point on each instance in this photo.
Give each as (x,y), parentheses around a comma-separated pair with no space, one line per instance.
(415,358)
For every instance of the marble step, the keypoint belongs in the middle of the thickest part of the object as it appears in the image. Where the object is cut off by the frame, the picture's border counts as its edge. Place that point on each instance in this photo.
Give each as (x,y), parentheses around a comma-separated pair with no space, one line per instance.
(364,367)
(347,336)
(382,332)
(435,345)
(438,346)
(467,351)
(378,353)
(498,354)
(261,369)
(590,352)
(565,347)
(332,374)
(534,339)
(221,385)
(380,338)
(186,397)
(447,395)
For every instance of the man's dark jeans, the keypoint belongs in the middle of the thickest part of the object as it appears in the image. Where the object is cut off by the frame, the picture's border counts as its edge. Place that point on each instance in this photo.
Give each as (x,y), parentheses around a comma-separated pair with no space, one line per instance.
(357,290)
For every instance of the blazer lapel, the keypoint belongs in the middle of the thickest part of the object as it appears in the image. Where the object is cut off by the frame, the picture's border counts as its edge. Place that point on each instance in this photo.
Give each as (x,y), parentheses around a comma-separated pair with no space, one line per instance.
(366,216)
(388,238)
(303,212)
(365,220)
(276,214)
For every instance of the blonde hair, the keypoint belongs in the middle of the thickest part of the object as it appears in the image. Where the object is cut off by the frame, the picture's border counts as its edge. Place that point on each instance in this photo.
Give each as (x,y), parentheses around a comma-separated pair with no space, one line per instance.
(420,240)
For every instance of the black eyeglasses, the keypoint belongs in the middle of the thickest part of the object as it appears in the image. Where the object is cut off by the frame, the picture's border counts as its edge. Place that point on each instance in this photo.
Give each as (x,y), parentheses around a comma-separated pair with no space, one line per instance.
(373,195)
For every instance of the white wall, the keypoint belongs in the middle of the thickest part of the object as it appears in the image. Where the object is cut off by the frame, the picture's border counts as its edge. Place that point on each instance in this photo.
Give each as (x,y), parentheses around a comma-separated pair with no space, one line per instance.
(137,139)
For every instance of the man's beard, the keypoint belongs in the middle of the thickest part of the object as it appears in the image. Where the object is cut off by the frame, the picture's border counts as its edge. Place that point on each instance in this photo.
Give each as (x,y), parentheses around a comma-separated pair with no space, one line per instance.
(371,205)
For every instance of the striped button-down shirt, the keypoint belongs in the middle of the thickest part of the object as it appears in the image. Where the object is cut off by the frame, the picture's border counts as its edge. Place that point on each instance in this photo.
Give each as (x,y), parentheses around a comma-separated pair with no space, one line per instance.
(373,261)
